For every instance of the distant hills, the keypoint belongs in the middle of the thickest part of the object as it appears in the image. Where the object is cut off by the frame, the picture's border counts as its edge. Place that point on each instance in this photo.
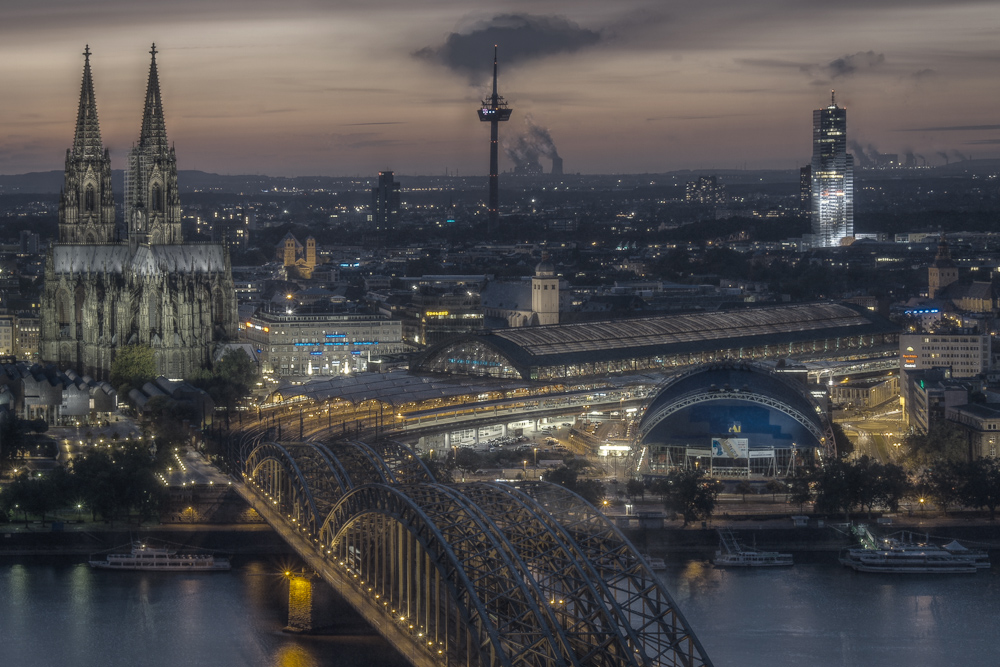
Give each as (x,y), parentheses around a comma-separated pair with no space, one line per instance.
(50,182)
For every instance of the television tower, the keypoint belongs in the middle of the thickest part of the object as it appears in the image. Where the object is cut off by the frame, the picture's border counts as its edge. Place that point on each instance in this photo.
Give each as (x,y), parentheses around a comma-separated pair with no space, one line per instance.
(493,110)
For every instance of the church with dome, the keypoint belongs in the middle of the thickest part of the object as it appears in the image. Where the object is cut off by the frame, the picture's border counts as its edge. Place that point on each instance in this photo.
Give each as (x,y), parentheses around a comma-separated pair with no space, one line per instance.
(528,302)
(137,283)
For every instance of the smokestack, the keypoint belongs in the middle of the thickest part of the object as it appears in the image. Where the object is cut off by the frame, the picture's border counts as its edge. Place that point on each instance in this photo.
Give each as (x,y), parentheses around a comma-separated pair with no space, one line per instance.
(557,167)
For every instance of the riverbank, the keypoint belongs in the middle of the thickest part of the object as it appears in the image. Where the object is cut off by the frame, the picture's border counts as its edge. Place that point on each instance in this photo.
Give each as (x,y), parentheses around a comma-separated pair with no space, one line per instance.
(234,539)
(781,535)
(260,539)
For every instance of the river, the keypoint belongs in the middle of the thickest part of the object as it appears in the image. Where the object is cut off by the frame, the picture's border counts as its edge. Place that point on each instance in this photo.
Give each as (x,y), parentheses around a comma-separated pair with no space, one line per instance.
(60,612)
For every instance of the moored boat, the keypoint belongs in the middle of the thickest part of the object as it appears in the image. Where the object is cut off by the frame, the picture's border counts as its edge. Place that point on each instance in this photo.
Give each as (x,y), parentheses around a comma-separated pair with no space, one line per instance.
(148,558)
(733,553)
(902,555)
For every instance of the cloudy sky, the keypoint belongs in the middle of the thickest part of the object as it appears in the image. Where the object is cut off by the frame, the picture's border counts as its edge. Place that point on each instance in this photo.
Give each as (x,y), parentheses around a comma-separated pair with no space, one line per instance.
(345,87)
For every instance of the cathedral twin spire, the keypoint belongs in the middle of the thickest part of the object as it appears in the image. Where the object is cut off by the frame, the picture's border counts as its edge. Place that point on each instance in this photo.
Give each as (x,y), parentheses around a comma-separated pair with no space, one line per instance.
(86,204)
(154,130)
(87,140)
(152,206)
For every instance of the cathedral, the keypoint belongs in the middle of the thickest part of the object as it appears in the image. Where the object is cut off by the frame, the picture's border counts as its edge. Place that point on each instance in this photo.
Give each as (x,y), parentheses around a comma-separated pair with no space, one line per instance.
(108,287)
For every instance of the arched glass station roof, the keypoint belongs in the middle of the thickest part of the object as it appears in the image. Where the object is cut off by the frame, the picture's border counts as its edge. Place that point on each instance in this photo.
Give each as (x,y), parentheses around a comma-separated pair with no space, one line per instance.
(806,331)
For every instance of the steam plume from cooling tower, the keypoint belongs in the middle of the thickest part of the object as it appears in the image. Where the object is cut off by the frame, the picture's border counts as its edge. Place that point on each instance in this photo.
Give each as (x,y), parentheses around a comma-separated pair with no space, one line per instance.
(525,150)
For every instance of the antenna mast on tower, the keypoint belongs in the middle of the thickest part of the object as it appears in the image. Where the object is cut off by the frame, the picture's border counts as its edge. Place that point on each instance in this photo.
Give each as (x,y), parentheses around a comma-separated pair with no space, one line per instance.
(494,109)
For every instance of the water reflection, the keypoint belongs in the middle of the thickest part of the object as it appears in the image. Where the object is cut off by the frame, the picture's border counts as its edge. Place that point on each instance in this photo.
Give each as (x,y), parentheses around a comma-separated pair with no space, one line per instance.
(54,611)
(294,656)
(817,613)
(825,615)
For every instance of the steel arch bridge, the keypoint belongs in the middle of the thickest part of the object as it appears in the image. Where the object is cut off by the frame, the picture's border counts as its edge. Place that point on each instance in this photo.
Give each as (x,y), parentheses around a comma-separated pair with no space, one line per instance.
(524,574)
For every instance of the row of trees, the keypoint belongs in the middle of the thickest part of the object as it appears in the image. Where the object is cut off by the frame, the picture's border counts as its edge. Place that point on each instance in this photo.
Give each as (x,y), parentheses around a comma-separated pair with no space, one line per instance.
(842,486)
(974,484)
(110,483)
(591,490)
(866,485)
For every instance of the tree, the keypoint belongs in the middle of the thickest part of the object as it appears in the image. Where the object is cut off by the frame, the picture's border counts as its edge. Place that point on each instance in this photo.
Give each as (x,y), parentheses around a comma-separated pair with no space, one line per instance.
(844,445)
(12,442)
(563,475)
(944,442)
(114,483)
(691,494)
(835,488)
(134,365)
(980,485)
(801,488)
(38,495)
(591,490)
(239,369)
(635,487)
(865,483)
(893,485)
(774,487)
(743,488)
(232,378)
(940,483)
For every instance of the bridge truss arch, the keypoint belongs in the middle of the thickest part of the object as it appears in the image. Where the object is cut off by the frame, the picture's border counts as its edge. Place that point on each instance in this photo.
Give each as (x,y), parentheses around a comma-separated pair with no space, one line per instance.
(517,575)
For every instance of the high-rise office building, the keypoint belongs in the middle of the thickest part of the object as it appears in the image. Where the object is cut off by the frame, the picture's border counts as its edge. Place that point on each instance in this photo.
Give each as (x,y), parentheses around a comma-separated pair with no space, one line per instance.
(832,172)
(805,188)
(385,202)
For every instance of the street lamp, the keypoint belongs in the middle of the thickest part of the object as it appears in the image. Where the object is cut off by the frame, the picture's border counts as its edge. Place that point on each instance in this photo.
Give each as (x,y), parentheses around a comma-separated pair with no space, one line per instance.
(536,456)
(921,504)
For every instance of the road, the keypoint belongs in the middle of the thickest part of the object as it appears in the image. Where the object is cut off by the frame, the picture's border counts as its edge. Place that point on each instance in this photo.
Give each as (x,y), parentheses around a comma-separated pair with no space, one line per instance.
(879,438)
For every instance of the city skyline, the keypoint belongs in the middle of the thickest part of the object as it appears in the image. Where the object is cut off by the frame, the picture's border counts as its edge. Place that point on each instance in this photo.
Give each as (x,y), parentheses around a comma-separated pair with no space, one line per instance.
(300,89)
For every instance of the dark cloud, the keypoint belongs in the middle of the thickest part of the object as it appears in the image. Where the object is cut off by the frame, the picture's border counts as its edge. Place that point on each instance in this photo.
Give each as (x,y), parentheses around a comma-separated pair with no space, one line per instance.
(923,74)
(777,64)
(952,128)
(521,38)
(359,140)
(852,64)
(705,117)
(840,67)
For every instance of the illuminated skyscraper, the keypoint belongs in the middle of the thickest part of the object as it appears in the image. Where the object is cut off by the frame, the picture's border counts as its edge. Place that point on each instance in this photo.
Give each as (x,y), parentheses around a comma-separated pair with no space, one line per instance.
(832,177)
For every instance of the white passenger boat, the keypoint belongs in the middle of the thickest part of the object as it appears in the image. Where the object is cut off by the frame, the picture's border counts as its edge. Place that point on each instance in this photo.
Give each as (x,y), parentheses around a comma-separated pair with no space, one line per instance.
(733,553)
(145,557)
(901,555)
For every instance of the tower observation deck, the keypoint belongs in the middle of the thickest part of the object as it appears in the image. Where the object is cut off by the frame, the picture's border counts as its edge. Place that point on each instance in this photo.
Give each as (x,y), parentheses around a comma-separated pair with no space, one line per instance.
(493,110)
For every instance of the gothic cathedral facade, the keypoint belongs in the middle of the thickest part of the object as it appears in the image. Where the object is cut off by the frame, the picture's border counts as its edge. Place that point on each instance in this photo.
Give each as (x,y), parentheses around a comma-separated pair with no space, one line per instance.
(105,289)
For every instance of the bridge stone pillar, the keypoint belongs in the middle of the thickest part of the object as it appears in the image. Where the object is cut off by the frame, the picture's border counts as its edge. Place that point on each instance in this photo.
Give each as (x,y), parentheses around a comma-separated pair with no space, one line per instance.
(300,602)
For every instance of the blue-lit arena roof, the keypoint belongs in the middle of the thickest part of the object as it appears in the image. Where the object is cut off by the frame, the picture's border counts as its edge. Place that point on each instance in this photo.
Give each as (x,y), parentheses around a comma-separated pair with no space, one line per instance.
(734,399)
